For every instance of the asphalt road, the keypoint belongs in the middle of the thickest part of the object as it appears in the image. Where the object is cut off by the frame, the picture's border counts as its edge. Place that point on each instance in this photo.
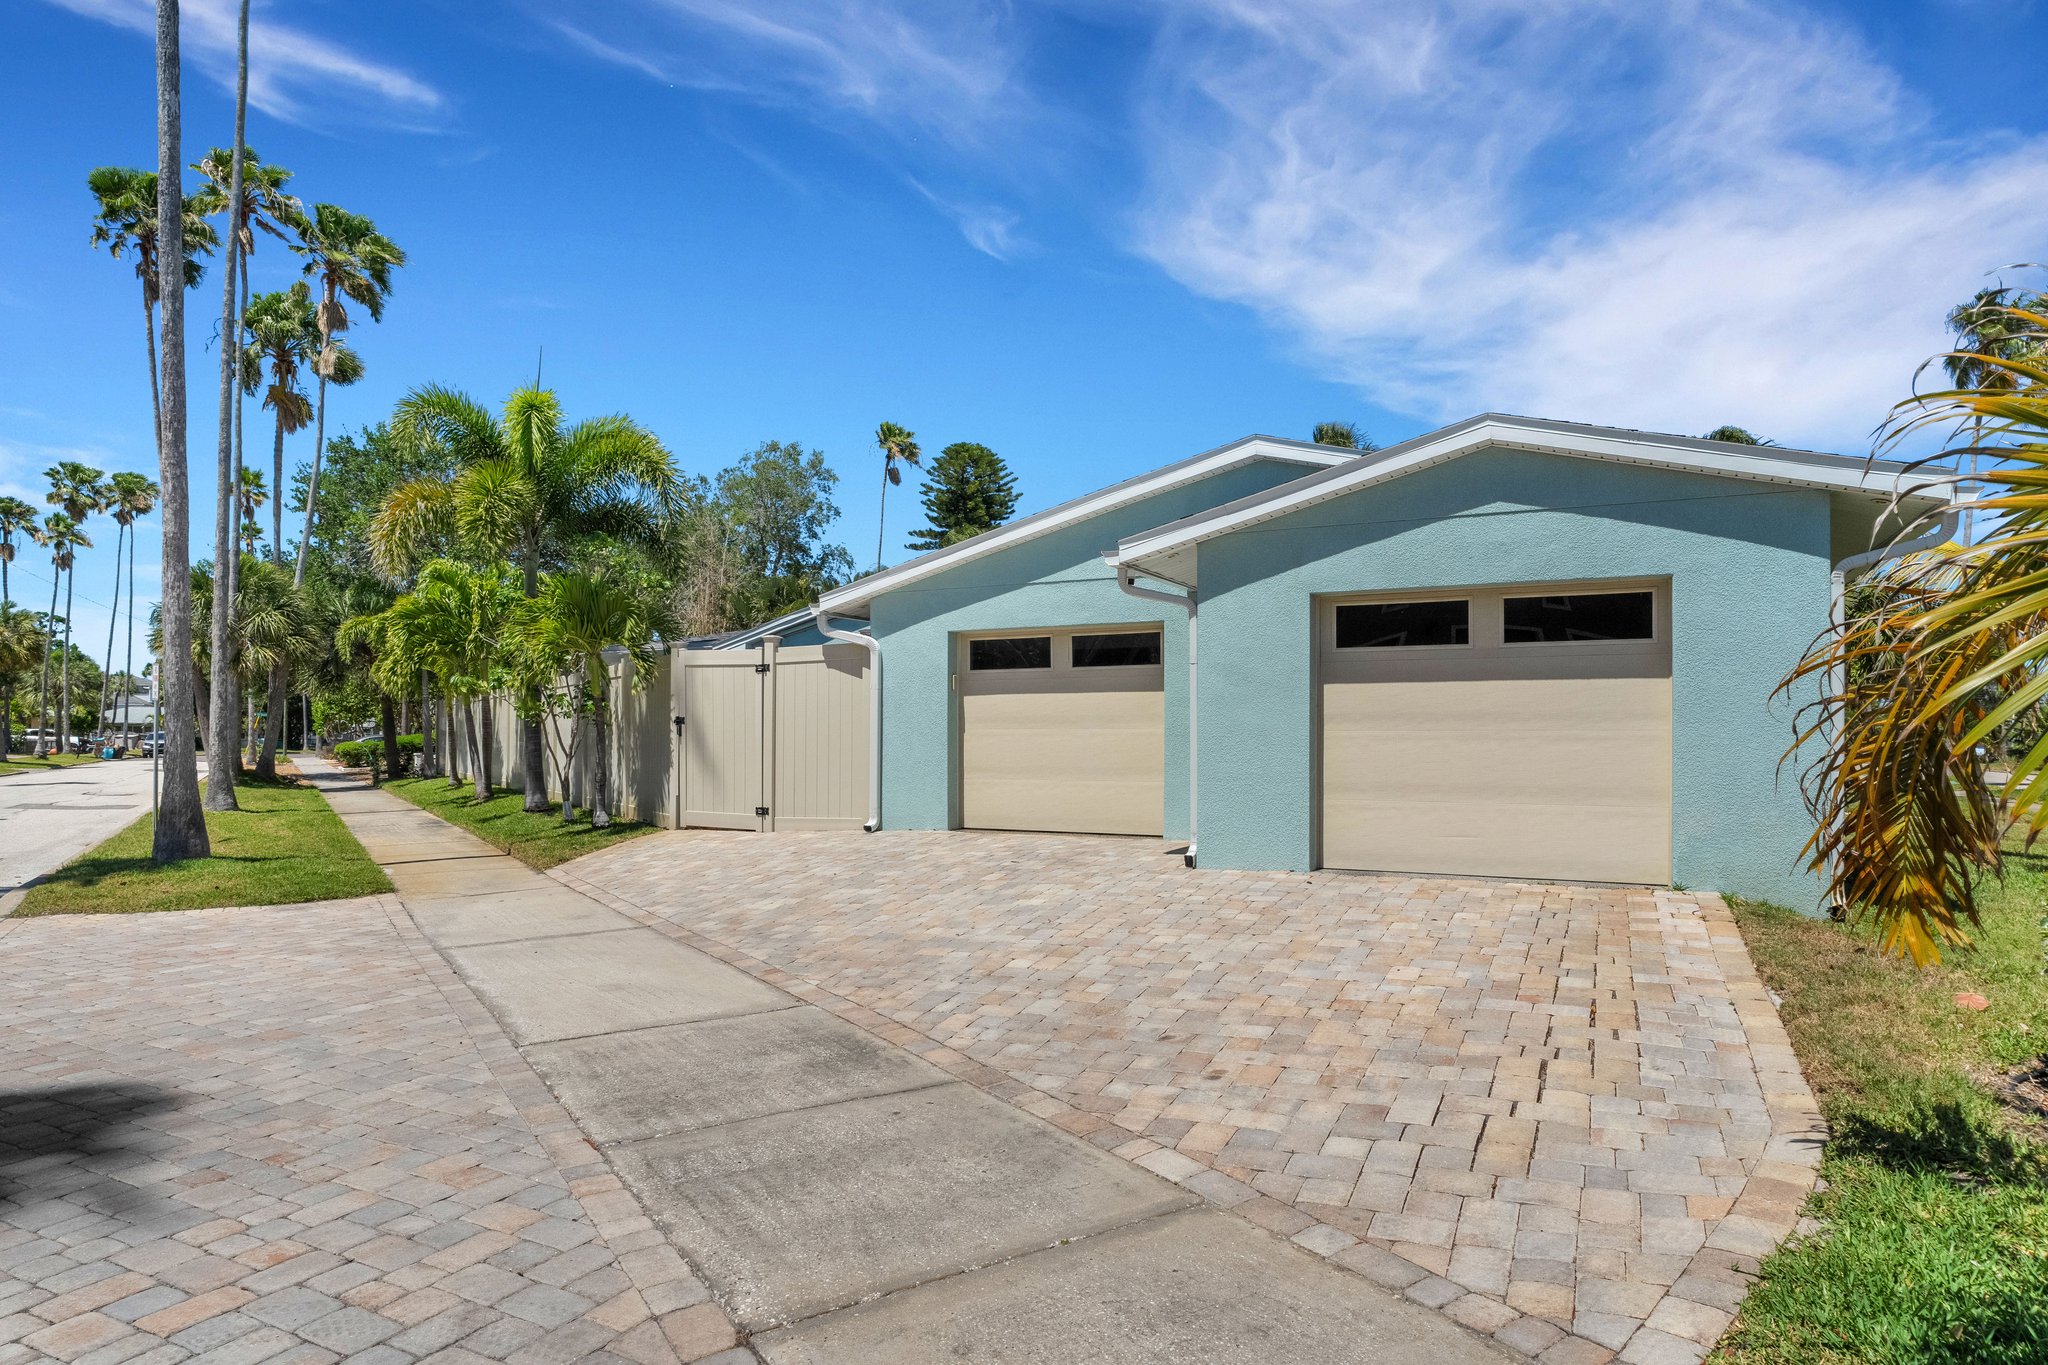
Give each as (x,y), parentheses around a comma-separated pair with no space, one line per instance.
(49,818)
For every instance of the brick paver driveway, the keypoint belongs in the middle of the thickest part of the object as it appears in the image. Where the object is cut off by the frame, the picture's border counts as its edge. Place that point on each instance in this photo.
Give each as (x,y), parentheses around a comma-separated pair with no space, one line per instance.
(291,1135)
(1566,1115)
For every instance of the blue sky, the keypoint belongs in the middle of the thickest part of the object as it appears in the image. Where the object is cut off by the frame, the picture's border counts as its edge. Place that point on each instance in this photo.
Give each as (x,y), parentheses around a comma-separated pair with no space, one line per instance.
(1096,235)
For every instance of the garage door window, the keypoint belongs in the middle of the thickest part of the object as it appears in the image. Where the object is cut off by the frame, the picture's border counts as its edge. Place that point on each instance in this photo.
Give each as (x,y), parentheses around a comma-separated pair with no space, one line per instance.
(1579,616)
(1396,625)
(1127,649)
(1024,651)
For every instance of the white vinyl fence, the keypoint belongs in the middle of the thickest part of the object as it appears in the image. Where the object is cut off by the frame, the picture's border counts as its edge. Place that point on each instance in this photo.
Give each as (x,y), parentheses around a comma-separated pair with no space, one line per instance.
(768,738)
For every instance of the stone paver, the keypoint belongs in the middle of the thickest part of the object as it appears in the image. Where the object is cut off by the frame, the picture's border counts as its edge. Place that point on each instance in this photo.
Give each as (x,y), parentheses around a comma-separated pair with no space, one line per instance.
(1569,1114)
(290,1134)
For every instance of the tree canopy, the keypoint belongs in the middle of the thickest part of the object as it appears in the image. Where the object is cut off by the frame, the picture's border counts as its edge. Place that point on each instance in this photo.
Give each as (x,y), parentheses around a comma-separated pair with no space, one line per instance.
(968,490)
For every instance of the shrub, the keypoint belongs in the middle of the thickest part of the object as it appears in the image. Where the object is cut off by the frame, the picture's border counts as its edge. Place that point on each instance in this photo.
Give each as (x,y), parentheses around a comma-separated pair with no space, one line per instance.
(361,753)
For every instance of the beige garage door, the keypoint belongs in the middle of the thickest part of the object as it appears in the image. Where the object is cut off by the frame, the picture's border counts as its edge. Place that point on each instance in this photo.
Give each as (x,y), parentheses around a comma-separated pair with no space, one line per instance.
(1519,732)
(1063,730)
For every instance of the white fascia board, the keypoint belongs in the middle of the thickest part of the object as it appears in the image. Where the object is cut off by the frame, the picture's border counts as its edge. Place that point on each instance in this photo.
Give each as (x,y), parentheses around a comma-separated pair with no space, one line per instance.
(1882,480)
(854,598)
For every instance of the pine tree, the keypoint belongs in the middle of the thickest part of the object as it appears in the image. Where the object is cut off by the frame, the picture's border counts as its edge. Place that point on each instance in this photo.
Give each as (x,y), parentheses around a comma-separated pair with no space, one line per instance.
(970,490)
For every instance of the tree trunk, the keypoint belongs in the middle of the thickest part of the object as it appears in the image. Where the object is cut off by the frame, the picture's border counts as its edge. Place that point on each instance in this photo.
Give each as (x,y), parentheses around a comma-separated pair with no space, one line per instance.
(156,400)
(64,706)
(113,619)
(882,517)
(601,776)
(476,753)
(532,743)
(226,517)
(127,726)
(426,727)
(42,744)
(488,726)
(387,717)
(319,449)
(273,724)
(454,754)
(180,823)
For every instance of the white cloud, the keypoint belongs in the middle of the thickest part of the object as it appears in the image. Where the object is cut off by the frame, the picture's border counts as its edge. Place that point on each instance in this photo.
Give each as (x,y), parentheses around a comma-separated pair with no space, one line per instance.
(928,68)
(289,69)
(1654,215)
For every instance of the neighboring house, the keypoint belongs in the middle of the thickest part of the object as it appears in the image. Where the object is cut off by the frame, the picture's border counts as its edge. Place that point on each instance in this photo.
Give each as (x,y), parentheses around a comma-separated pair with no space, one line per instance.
(1509,648)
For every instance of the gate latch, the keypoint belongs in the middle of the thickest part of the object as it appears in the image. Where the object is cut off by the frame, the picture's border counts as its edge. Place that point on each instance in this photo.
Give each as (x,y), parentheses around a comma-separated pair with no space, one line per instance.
(761,812)
(679,727)
(760,668)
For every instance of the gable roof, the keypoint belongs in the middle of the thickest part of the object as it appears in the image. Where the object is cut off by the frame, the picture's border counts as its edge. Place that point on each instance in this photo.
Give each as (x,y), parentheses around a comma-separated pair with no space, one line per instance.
(1161,551)
(855,596)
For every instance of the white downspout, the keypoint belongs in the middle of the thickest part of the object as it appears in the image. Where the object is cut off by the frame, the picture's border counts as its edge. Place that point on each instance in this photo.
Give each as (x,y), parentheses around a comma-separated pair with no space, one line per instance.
(1123,580)
(874,649)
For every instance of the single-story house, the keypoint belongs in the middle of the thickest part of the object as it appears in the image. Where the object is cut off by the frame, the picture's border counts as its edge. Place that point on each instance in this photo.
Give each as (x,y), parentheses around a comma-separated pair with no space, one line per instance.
(1510,648)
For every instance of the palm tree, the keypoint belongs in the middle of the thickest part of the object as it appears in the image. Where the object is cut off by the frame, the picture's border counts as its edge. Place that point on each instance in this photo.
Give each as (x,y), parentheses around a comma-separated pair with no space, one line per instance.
(126,220)
(352,261)
(250,496)
(1950,652)
(78,490)
(130,496)
(455,623)
(1985,332)
(1343,434)
(20,644)
(576,619)
(180,822)
(285,340)
(529,489)
(899,447)
(17,518)
(64,537)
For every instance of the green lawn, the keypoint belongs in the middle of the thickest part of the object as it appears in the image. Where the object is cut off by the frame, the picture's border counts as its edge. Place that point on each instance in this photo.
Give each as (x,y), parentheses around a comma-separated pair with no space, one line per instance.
(285,845)
(1936,1208)
(18,762)
(538,839)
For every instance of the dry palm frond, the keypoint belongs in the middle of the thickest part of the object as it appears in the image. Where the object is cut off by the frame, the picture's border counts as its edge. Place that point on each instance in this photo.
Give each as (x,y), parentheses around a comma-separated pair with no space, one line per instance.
(1952,651)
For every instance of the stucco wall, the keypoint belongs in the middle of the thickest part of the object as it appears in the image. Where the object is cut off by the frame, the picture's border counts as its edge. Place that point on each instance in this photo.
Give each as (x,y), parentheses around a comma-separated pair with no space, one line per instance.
(1055,580)
(1749,573)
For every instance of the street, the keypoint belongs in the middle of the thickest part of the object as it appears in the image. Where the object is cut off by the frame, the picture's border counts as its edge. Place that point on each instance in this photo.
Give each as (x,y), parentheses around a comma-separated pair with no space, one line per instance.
(49,818)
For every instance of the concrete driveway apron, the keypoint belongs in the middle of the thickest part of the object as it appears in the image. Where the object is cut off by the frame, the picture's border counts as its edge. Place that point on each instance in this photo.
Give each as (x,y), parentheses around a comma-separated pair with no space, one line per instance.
(847,1201)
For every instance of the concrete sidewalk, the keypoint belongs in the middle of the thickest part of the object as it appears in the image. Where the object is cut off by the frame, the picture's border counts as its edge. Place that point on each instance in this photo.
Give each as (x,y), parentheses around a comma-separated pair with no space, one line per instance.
(847,1201)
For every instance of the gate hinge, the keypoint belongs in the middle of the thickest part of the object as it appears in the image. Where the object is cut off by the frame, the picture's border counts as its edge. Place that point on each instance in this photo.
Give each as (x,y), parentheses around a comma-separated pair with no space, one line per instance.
(679,725)
(761,812)
(760,668)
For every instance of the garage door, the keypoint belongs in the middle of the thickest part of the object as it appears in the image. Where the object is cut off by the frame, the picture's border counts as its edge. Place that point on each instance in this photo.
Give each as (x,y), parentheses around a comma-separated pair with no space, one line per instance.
(1063,730)
(1521,732)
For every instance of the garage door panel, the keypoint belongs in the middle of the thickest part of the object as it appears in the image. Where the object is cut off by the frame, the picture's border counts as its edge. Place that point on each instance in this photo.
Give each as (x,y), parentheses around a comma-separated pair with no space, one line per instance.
(1064,750)
(1496,760)
(1506,839)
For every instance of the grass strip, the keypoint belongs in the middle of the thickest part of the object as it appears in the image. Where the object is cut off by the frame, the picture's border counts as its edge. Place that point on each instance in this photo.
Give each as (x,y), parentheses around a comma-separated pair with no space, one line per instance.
(1934,1244)
(284,846)
(537,838)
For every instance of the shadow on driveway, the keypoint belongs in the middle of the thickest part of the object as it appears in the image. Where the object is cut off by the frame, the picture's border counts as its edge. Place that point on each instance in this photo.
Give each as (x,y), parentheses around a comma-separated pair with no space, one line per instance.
(56,1140)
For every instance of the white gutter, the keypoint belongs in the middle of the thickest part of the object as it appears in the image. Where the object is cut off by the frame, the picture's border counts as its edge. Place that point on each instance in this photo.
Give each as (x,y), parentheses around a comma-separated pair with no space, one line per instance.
(1123,580)
(874,649)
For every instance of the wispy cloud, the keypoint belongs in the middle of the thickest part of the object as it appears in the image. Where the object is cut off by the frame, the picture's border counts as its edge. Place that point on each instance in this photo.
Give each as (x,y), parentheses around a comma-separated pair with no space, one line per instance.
(1661,215)
(990,229)
(289,69)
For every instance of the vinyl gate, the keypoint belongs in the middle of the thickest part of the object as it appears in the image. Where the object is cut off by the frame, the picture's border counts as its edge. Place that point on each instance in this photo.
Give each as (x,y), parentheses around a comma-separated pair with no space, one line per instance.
(771,738)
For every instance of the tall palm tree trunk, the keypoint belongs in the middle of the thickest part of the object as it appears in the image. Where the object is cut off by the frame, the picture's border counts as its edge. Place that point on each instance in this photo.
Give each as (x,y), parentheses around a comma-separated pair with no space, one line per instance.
(533,750)
(476,753)
(156,397)
(319,449)
(427,727)
(43,689)
(454,747)
(601,777)
(882,519)
(273,724)
(64,706)
(180,823)
(226,518)
(488,728)
(113,619)
(129,667)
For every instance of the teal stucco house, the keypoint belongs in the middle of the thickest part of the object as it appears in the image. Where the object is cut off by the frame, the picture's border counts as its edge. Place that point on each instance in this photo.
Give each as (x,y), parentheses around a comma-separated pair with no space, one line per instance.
(1510,648)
